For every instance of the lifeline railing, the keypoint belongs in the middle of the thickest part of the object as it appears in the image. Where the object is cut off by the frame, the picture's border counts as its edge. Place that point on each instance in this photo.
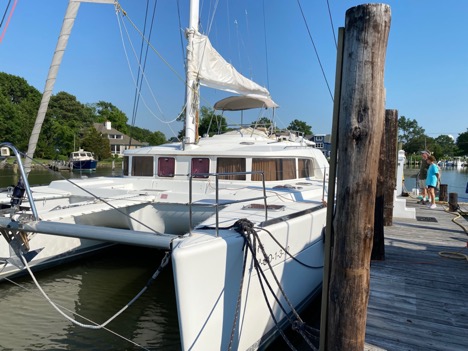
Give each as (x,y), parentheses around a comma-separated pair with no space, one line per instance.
(217,203)
(24,178)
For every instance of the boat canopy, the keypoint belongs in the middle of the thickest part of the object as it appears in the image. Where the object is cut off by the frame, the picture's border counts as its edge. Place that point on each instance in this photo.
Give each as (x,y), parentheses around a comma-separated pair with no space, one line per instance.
(244,102)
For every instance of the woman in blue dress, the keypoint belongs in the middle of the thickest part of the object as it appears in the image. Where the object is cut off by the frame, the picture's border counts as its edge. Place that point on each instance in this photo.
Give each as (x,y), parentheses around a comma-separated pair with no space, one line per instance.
(432,180)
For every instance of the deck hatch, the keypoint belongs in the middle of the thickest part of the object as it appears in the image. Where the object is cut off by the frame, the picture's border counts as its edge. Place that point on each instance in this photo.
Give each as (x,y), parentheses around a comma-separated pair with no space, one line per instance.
(262,207)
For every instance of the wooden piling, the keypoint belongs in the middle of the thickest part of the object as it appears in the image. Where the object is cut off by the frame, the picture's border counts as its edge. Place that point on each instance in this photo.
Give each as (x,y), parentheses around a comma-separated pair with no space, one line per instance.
(359,137)
(453,202)
(443,192)
(386,184)
(378,246)
(391,150)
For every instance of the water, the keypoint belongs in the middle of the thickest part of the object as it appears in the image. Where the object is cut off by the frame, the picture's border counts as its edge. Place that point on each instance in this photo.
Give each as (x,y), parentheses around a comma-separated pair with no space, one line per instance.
(95,288)
(44,176)
(456,180)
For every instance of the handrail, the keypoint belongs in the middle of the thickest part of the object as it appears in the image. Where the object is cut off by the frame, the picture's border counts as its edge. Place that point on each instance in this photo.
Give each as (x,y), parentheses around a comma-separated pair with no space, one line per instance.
(216,205)
(24,177)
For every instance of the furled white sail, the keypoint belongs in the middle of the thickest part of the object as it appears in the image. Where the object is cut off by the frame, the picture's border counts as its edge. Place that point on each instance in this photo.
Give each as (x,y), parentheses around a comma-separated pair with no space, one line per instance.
(213,71)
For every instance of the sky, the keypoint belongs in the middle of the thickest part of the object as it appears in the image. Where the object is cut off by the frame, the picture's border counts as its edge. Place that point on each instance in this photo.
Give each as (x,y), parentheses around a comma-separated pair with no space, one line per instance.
(426,69)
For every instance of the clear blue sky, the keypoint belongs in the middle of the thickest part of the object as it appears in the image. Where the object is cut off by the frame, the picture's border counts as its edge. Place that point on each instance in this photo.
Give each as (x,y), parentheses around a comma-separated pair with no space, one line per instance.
(426,73)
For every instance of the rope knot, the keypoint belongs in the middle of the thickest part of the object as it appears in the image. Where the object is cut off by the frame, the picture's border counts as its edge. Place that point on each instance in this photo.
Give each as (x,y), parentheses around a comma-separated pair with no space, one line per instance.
(243,225)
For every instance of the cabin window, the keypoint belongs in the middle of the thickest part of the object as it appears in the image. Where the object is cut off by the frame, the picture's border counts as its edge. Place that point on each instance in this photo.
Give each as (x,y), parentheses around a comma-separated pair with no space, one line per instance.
(231,165)
(125,165)
(306,168)
(200,166)
(274,169)
(166,167)
(142,166)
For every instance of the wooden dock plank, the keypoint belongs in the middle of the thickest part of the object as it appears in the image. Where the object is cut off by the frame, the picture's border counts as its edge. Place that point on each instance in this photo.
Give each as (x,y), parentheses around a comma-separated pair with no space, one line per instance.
(419,299)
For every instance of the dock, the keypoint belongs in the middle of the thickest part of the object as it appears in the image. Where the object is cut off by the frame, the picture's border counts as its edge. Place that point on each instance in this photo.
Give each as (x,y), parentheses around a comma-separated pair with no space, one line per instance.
(419,293)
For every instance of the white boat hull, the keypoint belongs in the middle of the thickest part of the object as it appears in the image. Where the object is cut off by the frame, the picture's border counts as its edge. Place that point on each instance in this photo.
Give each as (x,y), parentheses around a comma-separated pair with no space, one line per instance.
(208,274)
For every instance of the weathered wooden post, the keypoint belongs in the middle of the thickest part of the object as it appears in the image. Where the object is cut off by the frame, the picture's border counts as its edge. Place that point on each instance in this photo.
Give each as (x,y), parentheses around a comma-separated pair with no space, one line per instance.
(391,150)
(360,132)
(386,184)
(443,192)
(378,246)
(453,202)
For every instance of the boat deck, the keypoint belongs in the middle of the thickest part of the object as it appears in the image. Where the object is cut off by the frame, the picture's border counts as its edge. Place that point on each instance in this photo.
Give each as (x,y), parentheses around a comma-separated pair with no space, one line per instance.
(418,298)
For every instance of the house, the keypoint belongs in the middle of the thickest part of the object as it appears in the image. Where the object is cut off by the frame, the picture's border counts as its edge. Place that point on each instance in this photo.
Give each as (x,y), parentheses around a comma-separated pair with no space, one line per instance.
(322,142)
(117,140)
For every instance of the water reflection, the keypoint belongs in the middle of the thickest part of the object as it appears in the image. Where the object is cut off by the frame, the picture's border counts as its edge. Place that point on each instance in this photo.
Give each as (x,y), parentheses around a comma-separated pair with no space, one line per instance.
(95,288)
(44,176)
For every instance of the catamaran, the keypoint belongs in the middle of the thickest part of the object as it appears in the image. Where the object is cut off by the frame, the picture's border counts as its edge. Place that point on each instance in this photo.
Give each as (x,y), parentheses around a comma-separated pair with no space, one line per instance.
(242,215)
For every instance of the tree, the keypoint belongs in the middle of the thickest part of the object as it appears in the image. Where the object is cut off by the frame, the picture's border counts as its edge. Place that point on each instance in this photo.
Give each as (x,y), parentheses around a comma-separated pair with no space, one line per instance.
(264,122)
(95,142)
(65,119)
(462,143)
(156,138)
(408,129)
(300,126)
(105,111)
(145,135)
(210,123)
(19,103)
(447,146)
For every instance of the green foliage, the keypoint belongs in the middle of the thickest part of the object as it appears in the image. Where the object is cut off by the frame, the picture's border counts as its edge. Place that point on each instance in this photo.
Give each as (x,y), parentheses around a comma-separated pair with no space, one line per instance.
(408,129)
(145,135)
(93,141)
(263,122)
(66,118)
(66,124)
(445,147)
(210,123)
(462,143)
(105,111)
(300,126)
(19,103)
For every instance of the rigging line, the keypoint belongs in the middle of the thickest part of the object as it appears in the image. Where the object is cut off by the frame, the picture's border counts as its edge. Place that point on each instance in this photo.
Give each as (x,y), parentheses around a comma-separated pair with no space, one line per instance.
(315,49)
(138,94)
(120,21)
(4,14)
(8,20)
(247,46)
(76,314)
(162,59)
(181,35)
(94,196)
(266,47)
(331,23)
(210,24)
(139,73)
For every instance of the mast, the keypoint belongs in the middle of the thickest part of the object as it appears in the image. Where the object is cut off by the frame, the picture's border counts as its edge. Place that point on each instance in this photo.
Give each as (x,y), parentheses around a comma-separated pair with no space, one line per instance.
(68,22)
(192,85)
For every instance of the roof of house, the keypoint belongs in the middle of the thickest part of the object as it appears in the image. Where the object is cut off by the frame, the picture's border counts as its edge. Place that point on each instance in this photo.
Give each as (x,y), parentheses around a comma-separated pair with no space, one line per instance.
(126,140)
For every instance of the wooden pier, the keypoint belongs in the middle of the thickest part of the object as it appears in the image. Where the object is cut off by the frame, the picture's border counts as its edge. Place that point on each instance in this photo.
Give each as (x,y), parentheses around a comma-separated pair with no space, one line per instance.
(418,297)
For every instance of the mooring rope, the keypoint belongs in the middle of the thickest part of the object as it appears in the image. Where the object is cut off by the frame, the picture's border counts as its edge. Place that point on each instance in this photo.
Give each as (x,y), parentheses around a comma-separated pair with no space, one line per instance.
(246,229)
(79,315)
(164,262)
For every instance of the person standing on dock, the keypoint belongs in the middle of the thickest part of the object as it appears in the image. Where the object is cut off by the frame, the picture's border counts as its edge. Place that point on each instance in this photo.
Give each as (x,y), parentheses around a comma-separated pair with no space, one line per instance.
(422,175)
(432,180)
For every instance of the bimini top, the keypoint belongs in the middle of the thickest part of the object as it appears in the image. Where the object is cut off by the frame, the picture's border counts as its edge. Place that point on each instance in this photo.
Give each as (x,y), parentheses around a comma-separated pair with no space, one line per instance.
(244,102)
